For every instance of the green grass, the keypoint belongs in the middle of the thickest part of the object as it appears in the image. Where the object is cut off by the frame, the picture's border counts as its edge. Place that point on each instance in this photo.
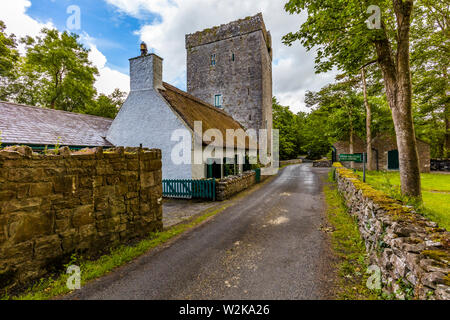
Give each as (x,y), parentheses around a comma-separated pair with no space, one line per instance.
(435,193)
(350,249)
(90,270)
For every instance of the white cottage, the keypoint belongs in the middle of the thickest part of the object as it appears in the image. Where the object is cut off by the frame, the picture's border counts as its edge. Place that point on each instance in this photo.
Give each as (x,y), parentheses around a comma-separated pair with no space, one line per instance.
(154,110)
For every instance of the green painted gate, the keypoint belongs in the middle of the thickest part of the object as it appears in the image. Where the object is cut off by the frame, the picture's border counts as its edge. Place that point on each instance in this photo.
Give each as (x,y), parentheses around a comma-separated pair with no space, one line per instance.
(258,175)
(190,189)
(393,161)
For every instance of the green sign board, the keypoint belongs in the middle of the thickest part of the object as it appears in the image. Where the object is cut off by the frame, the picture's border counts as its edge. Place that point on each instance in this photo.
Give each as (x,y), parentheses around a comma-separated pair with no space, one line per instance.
(358,157)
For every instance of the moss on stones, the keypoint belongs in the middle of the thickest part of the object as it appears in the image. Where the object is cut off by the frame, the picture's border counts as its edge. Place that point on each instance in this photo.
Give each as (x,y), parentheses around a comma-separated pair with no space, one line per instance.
(436,255)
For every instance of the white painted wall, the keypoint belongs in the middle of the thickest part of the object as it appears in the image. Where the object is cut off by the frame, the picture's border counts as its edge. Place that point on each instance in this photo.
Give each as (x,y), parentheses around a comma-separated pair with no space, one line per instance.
(147,119)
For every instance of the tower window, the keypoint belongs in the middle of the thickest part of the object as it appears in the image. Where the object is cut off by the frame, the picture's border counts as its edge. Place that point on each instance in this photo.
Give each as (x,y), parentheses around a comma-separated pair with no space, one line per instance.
(213,59)
(232,57)
(218,100)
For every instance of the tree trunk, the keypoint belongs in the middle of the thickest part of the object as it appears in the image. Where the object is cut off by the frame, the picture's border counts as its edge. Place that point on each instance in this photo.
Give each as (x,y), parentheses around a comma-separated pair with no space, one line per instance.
(351,144)
(447,132)
(397,80)
(368,122)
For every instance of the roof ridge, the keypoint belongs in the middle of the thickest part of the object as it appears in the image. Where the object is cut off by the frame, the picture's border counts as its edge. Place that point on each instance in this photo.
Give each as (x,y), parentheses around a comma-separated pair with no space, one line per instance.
(194,98)
(54,110)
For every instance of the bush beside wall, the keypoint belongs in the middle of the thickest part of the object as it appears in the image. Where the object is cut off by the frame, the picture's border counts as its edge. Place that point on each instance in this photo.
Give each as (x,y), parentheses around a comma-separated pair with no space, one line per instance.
(52,206)
(412,252)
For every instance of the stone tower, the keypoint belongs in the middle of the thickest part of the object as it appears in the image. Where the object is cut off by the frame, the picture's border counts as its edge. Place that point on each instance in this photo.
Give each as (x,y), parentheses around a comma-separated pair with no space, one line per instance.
(230,66)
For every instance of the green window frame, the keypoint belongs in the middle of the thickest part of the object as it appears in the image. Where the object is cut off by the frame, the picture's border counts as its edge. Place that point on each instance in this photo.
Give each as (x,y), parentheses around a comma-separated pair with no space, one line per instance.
(218,100)
(213,59)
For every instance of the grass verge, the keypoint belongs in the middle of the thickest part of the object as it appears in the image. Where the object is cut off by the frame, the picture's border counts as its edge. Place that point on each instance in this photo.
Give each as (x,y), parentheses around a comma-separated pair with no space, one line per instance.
(349,248)
(435,193)
(52,287)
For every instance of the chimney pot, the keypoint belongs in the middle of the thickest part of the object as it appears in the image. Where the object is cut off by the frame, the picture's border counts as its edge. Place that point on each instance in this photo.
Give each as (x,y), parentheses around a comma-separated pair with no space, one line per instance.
(144,49)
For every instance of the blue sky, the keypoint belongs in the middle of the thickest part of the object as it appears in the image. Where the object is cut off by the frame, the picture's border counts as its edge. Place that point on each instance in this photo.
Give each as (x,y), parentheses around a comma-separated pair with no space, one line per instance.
(113,30)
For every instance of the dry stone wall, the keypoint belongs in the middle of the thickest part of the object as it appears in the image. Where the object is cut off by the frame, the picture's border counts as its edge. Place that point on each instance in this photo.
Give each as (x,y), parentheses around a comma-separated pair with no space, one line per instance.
(322,163)
(412,252)
(229,186)
(52,206)
(289,162)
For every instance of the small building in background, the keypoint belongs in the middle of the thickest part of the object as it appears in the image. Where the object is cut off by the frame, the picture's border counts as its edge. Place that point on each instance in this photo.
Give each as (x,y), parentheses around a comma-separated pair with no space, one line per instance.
(384,152)
(343,147)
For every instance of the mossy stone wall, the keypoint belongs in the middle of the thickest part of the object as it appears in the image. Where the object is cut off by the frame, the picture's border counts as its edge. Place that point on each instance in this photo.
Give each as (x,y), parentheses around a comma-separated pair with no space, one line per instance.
(412,252)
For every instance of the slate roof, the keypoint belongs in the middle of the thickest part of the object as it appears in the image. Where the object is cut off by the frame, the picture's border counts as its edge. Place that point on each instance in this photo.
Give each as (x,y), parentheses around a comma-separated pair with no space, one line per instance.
(21,124)
(192,109)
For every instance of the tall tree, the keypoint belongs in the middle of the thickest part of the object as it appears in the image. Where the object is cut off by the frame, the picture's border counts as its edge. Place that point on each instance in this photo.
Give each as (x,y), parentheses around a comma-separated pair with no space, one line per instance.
(344,108)
(340,31)
(290,128)
(368,119)
(106,106)
(67,76)
(8,57)
(430,62)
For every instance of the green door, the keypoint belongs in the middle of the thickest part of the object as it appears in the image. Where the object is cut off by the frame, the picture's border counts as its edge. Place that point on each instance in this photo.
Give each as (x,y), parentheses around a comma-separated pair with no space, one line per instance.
(393,162)
(214,170)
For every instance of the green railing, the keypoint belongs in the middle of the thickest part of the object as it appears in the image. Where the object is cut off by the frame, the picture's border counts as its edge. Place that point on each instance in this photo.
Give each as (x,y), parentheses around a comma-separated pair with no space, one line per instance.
(190,189)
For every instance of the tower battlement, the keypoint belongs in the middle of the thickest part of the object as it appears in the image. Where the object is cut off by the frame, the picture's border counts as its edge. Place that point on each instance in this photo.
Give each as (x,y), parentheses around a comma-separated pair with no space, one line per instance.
(233,29)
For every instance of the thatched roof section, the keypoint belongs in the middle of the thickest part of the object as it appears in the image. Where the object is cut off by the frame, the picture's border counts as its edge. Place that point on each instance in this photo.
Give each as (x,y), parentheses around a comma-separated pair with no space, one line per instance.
(192,109)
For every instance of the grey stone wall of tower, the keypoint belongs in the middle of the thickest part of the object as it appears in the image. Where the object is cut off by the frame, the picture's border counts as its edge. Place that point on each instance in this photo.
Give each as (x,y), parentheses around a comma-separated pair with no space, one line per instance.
(235,61)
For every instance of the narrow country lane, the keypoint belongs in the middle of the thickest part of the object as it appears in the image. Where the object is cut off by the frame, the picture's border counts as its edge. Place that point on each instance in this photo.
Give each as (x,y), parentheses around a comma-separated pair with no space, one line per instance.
(266,246)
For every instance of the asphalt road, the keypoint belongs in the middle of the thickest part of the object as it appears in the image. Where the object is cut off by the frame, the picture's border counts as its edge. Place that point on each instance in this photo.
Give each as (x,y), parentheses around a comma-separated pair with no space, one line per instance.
(266,246)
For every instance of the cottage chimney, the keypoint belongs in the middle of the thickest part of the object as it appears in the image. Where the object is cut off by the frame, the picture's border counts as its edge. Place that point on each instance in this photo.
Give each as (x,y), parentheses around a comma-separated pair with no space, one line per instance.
(146,71)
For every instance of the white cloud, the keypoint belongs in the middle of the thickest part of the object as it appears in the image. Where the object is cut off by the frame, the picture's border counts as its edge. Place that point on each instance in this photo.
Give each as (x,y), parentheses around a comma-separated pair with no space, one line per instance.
(13,13)
(108,79)
(293,72)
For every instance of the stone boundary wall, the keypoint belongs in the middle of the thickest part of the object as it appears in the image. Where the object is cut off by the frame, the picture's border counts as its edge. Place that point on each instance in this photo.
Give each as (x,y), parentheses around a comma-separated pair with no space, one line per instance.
(229,186)
(289,162)
(52,206)
(322,163)
(412,252)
